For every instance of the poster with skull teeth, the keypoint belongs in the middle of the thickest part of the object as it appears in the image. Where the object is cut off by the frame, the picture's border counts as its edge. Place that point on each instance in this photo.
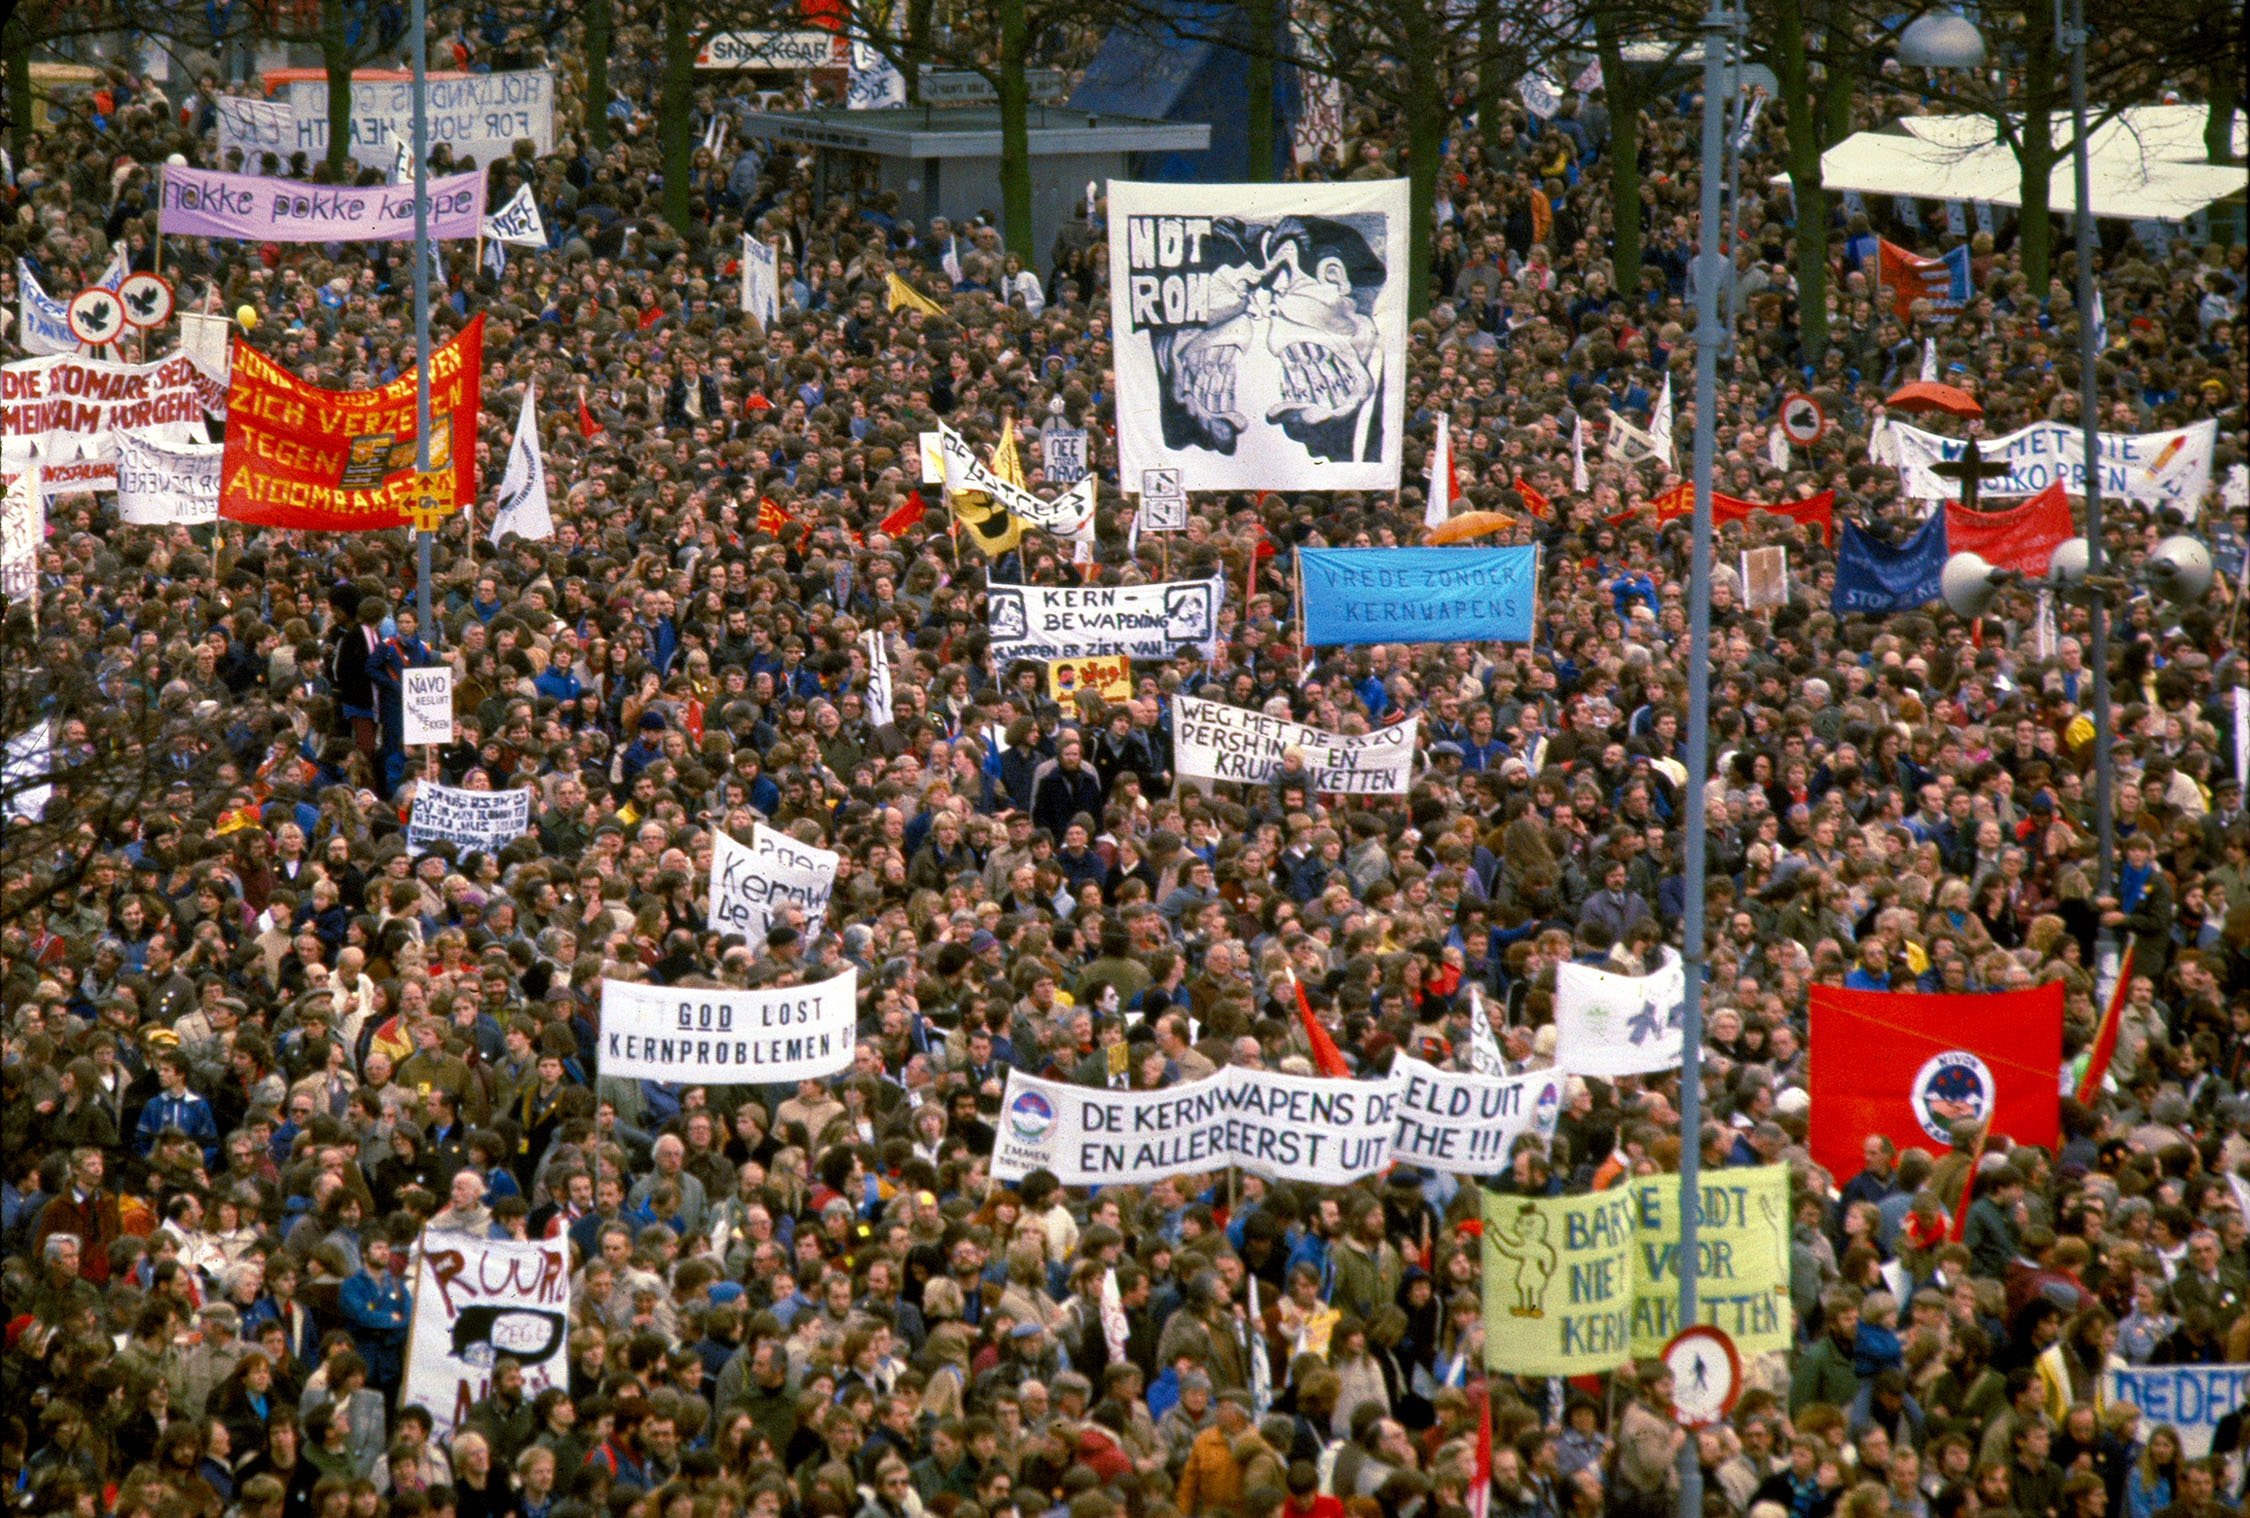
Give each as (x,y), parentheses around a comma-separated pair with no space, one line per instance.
(1261,333)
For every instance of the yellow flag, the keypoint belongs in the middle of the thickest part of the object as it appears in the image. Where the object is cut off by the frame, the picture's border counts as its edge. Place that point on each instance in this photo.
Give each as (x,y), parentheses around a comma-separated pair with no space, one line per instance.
(1006,462)
(903,294)
(992,526)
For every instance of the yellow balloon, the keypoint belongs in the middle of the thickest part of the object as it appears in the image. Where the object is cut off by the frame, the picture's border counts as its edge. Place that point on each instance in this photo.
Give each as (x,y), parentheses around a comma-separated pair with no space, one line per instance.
(248,316)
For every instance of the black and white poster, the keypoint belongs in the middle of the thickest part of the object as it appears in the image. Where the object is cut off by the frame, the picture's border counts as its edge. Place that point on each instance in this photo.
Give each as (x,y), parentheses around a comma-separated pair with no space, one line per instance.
(1263,349)
(467,819)
(1062,451)
(708,1036)
(750,882)
(160,484)
(1155,621)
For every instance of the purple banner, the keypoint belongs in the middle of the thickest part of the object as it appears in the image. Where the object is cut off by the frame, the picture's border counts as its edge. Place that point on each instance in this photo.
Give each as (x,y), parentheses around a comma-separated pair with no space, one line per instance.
(205,203)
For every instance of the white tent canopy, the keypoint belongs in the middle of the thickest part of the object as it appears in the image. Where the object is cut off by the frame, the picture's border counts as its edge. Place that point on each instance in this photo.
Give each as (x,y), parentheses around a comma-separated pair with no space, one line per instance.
(2145,165)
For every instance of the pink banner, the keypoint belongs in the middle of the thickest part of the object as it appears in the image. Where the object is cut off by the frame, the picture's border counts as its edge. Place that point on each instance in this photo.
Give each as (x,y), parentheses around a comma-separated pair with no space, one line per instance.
(2023,538)
(205,203)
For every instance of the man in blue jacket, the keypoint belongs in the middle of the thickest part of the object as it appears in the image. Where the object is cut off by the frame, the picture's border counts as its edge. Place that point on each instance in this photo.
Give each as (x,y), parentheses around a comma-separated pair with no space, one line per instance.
(377,1308)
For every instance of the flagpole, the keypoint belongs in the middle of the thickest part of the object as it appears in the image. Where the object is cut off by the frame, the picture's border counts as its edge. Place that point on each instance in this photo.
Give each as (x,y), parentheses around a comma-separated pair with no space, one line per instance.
(1304,642)
(420,26)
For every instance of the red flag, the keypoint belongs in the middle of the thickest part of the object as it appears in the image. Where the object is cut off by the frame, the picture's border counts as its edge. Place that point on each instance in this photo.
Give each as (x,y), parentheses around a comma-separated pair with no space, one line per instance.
(1480,1488)
(1326,1057)
(906,516)
(1819,510)
(2023,538)
(1534,499)
(1910,1066)
(1960,1226)
(2105,1037)
(771,517)
(587,426)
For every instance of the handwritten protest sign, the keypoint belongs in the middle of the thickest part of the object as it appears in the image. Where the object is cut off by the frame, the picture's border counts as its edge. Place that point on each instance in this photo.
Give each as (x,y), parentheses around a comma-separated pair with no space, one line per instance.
(475,1300)
(2193,1399)
(1214,741)
(750,883)
(701,1035)
(1742,1244)
(1074,621)
(428,696)
(466,819)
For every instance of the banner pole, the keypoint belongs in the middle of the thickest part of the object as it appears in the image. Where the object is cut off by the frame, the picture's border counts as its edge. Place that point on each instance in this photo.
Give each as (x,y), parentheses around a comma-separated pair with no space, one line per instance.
(1304,642)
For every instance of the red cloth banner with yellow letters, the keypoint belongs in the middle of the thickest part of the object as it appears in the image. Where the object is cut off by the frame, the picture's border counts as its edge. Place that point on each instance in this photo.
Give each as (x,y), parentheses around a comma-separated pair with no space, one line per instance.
(299,456)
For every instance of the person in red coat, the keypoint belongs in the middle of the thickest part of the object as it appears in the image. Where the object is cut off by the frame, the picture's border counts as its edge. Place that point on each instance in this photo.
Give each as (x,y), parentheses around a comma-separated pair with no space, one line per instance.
(84,1209)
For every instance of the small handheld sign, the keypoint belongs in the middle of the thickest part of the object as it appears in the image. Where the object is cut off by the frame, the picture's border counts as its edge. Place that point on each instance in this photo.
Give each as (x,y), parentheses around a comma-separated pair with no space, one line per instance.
(147,299)
(1802,420)
(1706,1375)
(96,317)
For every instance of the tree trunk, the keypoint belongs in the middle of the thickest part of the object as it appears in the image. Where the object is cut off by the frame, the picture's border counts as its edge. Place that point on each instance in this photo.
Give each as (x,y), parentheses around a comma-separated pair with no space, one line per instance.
(1794,72)
(336,59)
(601,31)
(1426,118)
(1488,75)
(2218,146)
(677,127)
(2036,155)
(919,16)
(15,44)
(1015,134)
(1258,87)
(1624,154)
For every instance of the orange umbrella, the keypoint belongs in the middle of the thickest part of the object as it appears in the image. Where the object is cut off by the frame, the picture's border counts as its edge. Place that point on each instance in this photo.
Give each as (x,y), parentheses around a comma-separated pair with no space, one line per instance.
(1929,395)
(1471,524)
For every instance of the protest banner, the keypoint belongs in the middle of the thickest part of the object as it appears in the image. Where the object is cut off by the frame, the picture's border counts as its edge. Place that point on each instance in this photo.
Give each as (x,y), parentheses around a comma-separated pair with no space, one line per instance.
(25,763)
(749,883)
(1609,1025)
(879,695)
(2023,538)
(207,203)
(1558,1283)
(1944,282)
(1874,578)
(427,694)
(474,1301)
(76,477)
(1418,595)
(761,281)
(1265,348)
(344,460)
(1284,1127)
(479,116)
(1069,515)
(23,532)
(705,1036)
(163,483)
(254,128)
(518,221)
(1468,1124)
(66,406)
(42,322)
(2152,468)
(1765,577)
(794,50)
(1062,453)
(1214,741)
(2193,1399)
(1110,678)
(1153,621)
(488,820)
(1742,1250)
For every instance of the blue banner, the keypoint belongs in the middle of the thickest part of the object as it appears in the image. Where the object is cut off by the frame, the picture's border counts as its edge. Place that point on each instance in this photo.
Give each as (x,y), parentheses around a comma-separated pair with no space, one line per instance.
(1873,578)
(1418,595)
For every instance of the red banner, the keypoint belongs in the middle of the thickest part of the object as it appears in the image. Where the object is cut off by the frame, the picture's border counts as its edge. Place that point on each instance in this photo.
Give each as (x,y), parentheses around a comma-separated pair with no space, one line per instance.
(1818,511)
(2023,538)
(1910,1066)
(299,456)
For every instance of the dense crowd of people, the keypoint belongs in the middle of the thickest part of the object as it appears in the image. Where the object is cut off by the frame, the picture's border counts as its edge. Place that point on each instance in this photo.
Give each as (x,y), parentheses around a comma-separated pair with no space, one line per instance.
(257,1049)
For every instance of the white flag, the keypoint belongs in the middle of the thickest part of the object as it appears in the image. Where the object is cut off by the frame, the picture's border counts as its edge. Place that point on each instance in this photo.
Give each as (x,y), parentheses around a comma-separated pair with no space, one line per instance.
(874,82)
(1660,422)
(1133,535)
(518,221)
(1581,479)
(1116,1332)
(402,163)
(2101,323)
(951,262)
(1484,1048)
(496,256)
(878,675)
(42,322)
(1609,1025)
(23,532)
(1439,504)
(522,505)
(1626,443)
(1777,447)
(1929,360)
(2044,642)
(1261,1363)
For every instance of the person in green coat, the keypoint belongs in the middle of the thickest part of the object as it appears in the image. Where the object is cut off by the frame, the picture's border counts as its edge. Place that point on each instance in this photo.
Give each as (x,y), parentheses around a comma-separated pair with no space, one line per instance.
(1823,1372)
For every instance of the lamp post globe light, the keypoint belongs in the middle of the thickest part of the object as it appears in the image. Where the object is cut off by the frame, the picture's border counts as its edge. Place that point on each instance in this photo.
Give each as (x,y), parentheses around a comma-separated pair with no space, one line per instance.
(1941,40)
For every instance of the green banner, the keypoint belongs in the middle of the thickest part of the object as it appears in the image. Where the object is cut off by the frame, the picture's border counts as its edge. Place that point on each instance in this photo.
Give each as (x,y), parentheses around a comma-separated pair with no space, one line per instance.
(1579,1285)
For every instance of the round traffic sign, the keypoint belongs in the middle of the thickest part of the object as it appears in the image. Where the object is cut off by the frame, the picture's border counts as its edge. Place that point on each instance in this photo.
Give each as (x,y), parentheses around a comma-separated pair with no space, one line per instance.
(1706,1375)
(96,316)
(147,298)
(1801,419)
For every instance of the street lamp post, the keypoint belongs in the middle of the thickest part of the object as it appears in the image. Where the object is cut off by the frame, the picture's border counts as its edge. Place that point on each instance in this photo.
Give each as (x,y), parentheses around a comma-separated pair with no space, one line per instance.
(421,28)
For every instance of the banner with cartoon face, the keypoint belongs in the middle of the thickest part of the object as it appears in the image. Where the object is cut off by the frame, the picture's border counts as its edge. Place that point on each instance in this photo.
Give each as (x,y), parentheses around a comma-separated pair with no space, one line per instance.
(1155,621)
(1262,347)
(476,1300)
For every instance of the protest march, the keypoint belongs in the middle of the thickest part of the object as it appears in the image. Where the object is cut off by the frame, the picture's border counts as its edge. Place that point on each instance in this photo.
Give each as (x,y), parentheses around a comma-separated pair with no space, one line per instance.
(904,762)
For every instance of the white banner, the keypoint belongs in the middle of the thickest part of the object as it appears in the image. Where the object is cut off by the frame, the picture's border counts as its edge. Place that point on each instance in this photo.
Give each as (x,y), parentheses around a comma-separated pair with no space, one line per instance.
(427,694)
(875,82)
(207,338)
(481,116)
(467,819)
(775,869)
(518,221)
(42,322)
(1609,1025)
(878,676)
(1062,453)
(66,406)
(699,1036)
(2153,468)
(521,506)
(2192,1399)
(29,758)
(23,531)
(1469,1124)
(1262,349)
(159,484)
(1074,621)
(807,49)
(254,128)
(1540,95)
(1069,515)
(1214,741)
(761,280)
(474,1301)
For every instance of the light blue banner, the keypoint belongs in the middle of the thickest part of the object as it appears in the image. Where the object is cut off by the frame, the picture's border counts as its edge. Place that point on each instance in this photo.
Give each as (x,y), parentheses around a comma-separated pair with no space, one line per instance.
(1418,595)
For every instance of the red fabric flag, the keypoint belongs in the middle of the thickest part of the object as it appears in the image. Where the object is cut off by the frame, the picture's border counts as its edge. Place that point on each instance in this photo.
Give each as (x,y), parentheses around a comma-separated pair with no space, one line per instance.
(1480,1479)
(906,516)
(1959,1228)
(2023,538)
(1910,277)
(1818,510)
(587,425)
(771,517)
(2105,1037)
(1326,1057)
(1910,1066)
(1534,499)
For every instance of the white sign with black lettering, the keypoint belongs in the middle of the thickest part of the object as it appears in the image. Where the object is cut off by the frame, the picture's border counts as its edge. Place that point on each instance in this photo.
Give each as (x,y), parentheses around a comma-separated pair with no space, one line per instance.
(160,484)
(1214,741)
(466,819)
(750,884)
(1062,451)
(428,695)
(699,1036)
(1155,621)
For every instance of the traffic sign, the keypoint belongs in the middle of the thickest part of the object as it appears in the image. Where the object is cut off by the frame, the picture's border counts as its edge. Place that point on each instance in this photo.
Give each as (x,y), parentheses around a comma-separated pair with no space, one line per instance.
(1706,1375)
(147,299)
(1802,419)
(96,316)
